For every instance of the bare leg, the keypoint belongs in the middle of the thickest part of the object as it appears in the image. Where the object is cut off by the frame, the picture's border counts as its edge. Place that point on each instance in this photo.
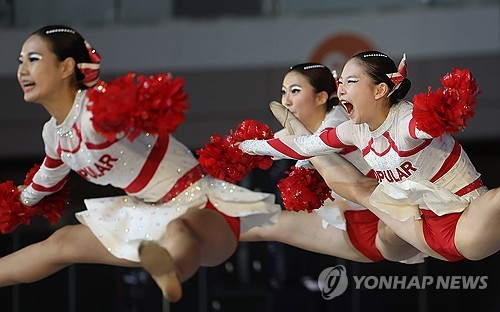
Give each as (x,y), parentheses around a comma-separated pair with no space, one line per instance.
(68,245)
(347,181)
(200,237)
(477,234)
(391,246)
(305,230)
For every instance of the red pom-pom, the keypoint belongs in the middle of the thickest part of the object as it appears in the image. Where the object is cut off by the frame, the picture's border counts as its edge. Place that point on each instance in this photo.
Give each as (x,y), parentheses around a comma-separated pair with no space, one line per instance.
(222,159)
(14,213)
(447,110)
(153,104)
(111,106)
(304,189)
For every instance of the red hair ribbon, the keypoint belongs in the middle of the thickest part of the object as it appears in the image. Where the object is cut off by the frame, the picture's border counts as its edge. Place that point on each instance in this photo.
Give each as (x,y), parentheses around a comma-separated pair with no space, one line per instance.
(398,77)
(90,70)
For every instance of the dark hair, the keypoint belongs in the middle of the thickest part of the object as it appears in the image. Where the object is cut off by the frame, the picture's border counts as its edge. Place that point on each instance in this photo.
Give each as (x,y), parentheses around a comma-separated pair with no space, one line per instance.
(66,42)
(377,65)
(321,79)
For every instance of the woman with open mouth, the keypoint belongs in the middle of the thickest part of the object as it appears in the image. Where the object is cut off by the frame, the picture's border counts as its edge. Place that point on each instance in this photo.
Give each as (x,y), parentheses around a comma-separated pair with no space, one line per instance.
(428,191)
(338,227)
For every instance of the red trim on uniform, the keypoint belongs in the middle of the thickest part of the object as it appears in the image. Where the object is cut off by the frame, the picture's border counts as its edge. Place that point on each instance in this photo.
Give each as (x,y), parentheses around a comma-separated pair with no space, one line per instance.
(78,135)
(367,149)
(51,162)
(348,150)
(450,161)
(414,150)
(469,188)
(187,179)
(234,222)
(371,174)
(330,137)
(52,189)
(362,228)
(439,233)
(152,162)
(393,146)
(412,126)
(100,145)
(281,147)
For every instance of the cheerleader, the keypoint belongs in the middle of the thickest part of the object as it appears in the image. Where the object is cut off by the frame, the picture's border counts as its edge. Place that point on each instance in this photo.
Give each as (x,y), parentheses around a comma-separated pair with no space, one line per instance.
(338,227)
(429,193)
(173,219)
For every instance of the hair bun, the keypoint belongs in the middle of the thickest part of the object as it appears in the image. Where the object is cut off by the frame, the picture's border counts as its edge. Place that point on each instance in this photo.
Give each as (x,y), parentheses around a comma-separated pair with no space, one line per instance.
(403,89)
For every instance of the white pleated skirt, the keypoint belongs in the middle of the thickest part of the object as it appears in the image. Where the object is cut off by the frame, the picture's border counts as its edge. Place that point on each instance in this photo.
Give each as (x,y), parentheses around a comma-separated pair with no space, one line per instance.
(121,223)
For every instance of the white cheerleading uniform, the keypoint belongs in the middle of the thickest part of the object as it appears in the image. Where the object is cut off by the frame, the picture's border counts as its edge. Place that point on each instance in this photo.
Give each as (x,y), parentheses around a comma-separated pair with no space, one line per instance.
(414,170)
(161,177)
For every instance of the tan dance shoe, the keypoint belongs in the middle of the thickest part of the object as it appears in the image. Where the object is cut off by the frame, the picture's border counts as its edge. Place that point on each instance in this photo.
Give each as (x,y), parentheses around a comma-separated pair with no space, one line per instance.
(288,120)
(157,261)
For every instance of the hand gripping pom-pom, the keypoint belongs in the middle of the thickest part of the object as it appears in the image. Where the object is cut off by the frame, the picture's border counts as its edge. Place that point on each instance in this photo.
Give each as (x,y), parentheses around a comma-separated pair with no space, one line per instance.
(13,212)
(51,206)
(304,189)
(222,159)
(447,110)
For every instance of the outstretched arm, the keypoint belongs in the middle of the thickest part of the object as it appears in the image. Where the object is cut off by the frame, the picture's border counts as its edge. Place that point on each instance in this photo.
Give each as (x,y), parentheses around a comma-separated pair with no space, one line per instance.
(299,146)
(295,145)
(291,147)
(340,175)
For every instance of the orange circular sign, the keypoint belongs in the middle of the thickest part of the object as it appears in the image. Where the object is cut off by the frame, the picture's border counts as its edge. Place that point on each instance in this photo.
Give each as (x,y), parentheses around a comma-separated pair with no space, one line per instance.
(337,49)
